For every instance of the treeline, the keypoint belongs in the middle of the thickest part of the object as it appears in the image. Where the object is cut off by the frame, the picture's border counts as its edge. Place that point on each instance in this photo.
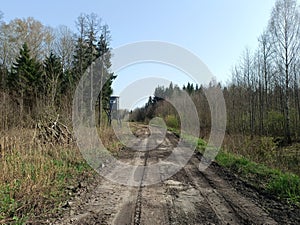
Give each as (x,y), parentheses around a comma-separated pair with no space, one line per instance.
(263,96)
(159,105)
(40,67)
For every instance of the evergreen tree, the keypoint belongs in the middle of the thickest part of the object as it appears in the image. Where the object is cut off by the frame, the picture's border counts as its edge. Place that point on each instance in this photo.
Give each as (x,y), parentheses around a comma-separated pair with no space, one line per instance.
(104,54)
(80,60)
(189,88)
(24,80)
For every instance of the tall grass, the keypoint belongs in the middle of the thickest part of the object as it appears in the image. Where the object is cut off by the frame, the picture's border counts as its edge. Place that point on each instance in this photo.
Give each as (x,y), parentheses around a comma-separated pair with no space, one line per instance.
(34,176)
(284,185)
(265,150)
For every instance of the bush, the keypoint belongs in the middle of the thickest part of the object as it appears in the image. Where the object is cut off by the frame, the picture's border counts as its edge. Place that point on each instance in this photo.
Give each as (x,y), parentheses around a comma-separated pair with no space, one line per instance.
(275,123)
(172,121)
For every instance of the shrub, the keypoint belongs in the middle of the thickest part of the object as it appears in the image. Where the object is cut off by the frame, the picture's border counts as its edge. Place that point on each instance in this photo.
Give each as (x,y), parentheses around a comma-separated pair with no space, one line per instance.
(172,121)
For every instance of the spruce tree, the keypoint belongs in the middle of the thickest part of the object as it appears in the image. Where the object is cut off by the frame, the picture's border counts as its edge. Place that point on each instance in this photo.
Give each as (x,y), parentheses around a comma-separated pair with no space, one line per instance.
(107,76)
(25,79)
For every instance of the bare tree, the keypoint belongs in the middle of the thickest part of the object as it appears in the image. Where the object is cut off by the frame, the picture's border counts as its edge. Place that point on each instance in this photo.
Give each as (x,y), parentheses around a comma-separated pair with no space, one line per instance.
(53,72)
(285,30)
(295,99)
(19,31)
(265,52)
(64,46)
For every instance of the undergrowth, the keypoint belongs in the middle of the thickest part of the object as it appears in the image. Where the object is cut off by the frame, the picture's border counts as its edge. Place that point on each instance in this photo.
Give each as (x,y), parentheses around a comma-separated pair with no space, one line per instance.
(33,181)
(282,184)
(35,177)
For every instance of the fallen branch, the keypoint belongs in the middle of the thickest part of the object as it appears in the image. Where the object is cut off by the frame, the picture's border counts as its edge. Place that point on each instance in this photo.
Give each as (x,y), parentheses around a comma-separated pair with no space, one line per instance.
(54,132)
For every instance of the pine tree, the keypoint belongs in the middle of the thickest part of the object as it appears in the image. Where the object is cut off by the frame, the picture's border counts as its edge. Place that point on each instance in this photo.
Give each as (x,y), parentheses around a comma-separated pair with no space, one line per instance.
(25,79)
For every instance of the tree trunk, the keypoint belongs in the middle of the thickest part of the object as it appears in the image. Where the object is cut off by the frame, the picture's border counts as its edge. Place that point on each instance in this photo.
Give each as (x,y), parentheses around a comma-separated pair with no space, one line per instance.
(286,105)
(100,94)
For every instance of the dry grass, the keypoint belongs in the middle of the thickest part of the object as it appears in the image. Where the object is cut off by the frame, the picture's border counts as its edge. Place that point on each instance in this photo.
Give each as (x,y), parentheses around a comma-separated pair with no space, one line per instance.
(265,151)
(110,140)
(34,176)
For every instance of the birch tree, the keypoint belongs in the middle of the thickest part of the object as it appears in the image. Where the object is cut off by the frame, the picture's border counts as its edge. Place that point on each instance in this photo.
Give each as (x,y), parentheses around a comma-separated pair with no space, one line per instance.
(285,29)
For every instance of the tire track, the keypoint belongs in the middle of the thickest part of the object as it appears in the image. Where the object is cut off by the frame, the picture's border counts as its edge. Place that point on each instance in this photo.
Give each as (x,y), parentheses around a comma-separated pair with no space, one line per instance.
(138,206)
(150,205)
(188,197)
(229,206)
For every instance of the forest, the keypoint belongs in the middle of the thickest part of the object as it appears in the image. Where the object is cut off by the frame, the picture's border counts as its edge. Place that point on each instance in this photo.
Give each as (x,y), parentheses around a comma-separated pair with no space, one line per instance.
(262,98)
(40,67)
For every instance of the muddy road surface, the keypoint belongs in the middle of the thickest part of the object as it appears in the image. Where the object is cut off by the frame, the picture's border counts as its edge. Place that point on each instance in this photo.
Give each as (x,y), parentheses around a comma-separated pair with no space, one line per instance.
(188,197)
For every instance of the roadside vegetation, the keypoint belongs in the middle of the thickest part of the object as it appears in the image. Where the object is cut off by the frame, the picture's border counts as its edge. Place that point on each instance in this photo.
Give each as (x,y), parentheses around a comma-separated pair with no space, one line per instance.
(264,170)
(284,185)
(40,68)
(34,178)
(38,178)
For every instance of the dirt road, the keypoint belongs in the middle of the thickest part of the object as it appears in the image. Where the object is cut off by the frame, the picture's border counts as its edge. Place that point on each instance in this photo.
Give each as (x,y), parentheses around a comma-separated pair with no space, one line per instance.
(188,197)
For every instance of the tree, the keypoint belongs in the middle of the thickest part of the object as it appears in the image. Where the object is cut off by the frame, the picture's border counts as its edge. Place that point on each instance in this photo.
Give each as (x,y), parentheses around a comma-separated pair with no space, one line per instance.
(38,37)
(285,30)
(64,46)
(2,59)
(104,54)
(190,88)
(53,74)
(250,82)
(88,49)
(25,79)
(80,58)
(265,63)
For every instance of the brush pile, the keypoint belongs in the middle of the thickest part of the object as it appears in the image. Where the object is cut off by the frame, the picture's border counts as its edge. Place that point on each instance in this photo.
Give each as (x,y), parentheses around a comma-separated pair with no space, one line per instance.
(53,132)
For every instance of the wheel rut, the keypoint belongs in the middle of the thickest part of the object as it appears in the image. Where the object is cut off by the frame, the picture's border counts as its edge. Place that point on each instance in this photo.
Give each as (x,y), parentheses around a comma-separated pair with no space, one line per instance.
(188,197)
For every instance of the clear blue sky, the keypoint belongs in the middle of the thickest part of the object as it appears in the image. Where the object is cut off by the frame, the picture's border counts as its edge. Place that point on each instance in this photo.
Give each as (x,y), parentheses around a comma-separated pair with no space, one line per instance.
(216,31)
